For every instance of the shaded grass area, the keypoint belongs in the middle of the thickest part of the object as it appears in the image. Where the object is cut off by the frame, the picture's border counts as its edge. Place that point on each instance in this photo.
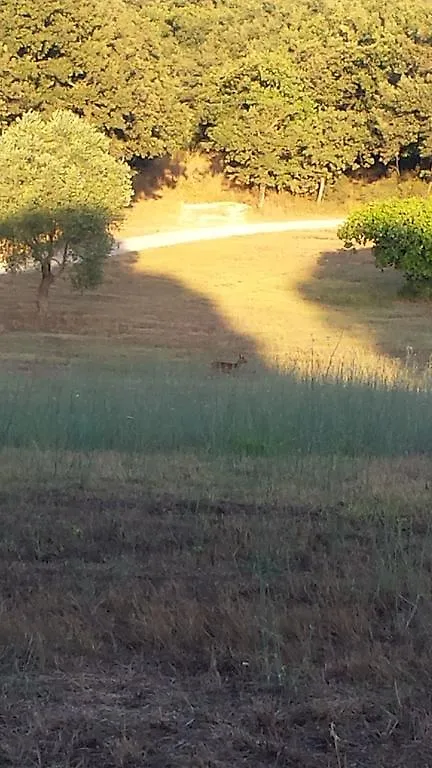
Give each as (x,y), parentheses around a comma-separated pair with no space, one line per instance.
(347,284)
(161,632)
(212,571)
(242,585)
(128,316)
(172,407)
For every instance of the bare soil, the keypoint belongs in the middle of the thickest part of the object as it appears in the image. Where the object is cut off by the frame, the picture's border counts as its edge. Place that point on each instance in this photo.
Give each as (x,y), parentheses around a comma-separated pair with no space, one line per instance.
(161,632)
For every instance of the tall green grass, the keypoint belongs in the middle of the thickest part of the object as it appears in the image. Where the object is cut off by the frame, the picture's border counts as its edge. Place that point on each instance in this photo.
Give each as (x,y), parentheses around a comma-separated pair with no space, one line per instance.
(172,407)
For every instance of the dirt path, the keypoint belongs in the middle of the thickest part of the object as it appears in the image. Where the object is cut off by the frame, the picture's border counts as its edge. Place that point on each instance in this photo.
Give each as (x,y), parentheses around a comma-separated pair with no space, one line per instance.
(175,237)
(178,236)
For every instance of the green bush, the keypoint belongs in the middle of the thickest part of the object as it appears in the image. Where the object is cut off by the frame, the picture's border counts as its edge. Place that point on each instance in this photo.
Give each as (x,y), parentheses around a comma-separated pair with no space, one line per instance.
(401,235)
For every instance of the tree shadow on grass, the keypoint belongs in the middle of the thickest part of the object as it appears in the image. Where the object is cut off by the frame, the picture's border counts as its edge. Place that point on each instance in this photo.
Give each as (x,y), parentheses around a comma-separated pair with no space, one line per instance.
(130,311)
(354,295)
(135,321)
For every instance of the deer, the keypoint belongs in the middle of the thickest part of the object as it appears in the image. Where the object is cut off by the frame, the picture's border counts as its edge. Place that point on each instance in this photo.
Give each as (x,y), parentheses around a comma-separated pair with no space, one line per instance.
(223,367)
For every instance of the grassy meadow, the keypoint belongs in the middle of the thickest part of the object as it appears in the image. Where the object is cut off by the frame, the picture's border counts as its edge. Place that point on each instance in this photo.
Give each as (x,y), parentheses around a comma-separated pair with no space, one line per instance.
(206,570)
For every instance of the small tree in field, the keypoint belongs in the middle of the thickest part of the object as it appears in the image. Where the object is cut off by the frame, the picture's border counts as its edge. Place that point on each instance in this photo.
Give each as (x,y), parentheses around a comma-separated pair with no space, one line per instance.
(60,194)
(400,232)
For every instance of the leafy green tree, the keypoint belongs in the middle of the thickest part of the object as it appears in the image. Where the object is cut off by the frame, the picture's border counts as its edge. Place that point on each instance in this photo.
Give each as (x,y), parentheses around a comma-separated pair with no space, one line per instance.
(258,122)
(363,64)
(403,121)
(368,64)
(60,194)
(345,83)
(400,232)
(106,62)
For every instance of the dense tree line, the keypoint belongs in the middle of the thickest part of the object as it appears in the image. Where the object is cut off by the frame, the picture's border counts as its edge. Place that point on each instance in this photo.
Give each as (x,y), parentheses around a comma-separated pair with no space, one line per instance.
(290,93)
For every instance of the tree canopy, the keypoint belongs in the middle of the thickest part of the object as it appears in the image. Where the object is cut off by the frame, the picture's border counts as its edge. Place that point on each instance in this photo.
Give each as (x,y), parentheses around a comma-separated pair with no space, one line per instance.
(60,193)
(400,232)
(258,120)
(159,76)
(104,62)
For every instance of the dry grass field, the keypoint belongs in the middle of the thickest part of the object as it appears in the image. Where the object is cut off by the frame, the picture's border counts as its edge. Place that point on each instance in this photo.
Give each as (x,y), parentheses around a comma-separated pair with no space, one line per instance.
(162,189)
(277,297)
(139,631)
(208,572)
(295,295)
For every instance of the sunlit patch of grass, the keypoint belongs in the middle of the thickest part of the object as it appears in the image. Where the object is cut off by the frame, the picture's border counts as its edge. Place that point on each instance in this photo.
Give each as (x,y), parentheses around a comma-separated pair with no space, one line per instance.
(252,283)
(300,297)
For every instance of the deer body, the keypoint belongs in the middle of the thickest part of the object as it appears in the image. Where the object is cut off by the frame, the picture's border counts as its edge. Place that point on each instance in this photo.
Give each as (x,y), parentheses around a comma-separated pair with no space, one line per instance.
(224,367)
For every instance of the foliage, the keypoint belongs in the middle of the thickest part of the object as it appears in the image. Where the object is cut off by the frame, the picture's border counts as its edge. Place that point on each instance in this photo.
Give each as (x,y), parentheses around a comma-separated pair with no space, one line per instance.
(347,83)
(60,192)
(260,116)
(363,65)
(401,235)
(103,62)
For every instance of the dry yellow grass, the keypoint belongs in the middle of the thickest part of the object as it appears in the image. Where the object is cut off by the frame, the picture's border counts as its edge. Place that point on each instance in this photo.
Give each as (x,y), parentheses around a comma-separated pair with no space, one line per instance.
(162,189)
(298,296)
(145,628)
(253,282)
(184,608)
(275,297)
(292,295)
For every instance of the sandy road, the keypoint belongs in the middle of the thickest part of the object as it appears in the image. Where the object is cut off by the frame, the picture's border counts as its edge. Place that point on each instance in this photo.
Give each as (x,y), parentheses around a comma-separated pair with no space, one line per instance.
(197,234)
(175,237)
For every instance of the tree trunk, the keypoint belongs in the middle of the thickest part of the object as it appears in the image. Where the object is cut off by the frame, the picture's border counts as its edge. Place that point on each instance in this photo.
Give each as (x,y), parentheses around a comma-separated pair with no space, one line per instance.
(45,284)
(321,189)
(261,196)
(397,164)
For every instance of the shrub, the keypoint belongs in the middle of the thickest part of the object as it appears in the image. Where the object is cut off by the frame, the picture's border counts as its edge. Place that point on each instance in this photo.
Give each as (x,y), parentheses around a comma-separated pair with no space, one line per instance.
(400,232)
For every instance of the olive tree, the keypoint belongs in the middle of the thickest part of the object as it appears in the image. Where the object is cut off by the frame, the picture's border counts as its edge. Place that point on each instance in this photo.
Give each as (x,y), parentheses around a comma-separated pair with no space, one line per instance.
(61,192)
